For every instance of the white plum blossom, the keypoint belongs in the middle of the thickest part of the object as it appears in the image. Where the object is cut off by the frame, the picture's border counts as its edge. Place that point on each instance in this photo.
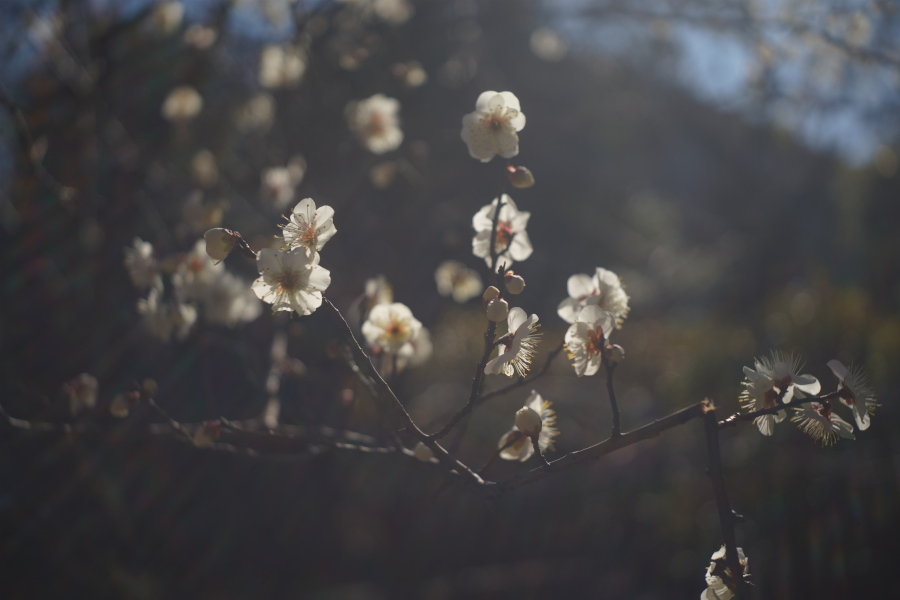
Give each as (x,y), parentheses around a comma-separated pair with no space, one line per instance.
(775,378)
(603,289)
(141,265)
(291,280)
(854,392)
(511,243)
(161,319)
(517,347)
(228,300)
(82,393)
(514,445)
(281,66)
(308,226)
(453,278)
(491,128)
(182,103)
(717,586)
(374,122)
(817,420)
(391,327)
(586,339)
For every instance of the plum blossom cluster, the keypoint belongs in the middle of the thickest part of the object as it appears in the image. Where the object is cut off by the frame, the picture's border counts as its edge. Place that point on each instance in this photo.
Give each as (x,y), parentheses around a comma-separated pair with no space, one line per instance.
(177,285)
(775,381)
(596,306)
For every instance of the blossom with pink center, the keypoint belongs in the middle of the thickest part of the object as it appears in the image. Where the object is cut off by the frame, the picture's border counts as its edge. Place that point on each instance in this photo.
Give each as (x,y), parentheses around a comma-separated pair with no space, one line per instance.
(854,392)
(291,280)
(374,122)
(308,226)
(515,445)
(603,289)
(586,339)
(822,425)
(516,348)
(511,242)
(492,128)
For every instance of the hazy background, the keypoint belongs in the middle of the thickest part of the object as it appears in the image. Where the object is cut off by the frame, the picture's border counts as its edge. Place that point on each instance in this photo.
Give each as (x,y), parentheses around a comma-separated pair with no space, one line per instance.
(736,164)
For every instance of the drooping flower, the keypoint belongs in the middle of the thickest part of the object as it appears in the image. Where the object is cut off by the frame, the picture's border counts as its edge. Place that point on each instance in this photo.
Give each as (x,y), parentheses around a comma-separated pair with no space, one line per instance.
(586,339)
(182,103)
(772,379)
(291,280)
(515,445)
(281,66)
(141,265)
(604,289)
(491,129)
(82,392)
(719,578)
(854,392)
(517,347)
(511,243)
(453,278)
(375,123)
(822,425)
(308,226)
(391,327)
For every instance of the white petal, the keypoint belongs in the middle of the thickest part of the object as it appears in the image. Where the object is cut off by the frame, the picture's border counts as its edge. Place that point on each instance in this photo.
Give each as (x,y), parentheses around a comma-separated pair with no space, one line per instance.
(481,104)
(568,310)
(861,416)
(510,100)
(580,285)
(520,248)
(839,370)
(319,279)
(766,424)
(306,210)
(516,317)
(807,384)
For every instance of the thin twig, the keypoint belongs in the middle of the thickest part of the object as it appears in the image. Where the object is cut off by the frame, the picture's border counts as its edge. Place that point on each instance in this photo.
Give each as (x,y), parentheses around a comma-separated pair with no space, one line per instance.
(175,425)
(727,516)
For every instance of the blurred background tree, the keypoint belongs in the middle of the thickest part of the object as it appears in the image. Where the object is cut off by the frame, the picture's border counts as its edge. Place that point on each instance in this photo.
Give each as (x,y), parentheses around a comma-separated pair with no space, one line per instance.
(734,162)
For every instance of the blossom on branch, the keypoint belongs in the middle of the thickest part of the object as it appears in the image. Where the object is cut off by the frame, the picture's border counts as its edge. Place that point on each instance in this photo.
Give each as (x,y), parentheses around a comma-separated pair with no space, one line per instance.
(586,339)
(719,579)
(309,227)
(391,327)
(515,445)
(375,123)
(291,280)
(822,425)
(854,392)
(516,348)
(492,128)
(775,378)
(453,278)
(511,243)
(604,289)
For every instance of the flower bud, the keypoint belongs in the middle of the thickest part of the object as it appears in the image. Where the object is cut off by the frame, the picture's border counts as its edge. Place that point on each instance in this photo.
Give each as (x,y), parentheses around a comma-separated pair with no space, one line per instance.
(528,421)
(615,353)
(490,294)
(520,177)
(220,242)
(423,452)
(497,310)
(514,283)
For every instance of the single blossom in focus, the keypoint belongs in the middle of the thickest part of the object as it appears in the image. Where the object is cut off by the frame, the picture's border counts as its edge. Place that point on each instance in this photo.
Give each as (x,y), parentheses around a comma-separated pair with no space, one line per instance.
(453,278)
(82,393)
(772,379)
(281,66)
(719,579)
(182,103)
(822,425)
(142,267)
(492,128)
(516,348)
(375,123)
(511,242)
(586,339)
(291,280)
(515,445)
(854,392)
(308,226)
(391,327)
(604,289)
